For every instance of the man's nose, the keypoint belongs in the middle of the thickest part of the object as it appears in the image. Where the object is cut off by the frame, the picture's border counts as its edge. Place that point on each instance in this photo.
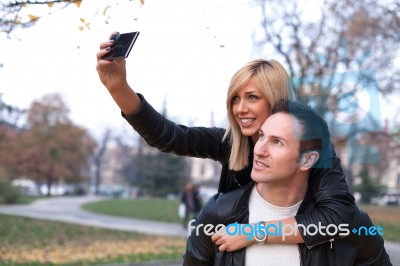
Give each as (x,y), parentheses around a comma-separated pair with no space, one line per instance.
(260,149)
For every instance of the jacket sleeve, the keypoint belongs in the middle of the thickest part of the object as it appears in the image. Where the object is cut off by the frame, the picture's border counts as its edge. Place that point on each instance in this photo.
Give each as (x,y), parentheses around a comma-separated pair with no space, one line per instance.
(165,135)
(334,204)
(380,257)
(371,246)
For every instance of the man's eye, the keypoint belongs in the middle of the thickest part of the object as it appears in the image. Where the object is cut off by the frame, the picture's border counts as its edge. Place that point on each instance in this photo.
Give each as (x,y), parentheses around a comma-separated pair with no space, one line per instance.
(261,136)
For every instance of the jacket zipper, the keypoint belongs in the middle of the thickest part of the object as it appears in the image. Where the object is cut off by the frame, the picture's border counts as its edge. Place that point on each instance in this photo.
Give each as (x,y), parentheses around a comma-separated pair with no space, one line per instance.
(319,243)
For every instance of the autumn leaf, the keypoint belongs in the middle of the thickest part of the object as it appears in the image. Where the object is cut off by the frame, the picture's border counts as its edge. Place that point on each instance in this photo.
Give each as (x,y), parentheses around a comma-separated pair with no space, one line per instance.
(142,2)
(82,20)
(78,3)
(33,17)
(51,4)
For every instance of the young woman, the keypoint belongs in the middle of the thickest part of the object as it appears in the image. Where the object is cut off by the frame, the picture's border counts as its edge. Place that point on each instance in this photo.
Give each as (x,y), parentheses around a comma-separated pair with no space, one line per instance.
(252,92)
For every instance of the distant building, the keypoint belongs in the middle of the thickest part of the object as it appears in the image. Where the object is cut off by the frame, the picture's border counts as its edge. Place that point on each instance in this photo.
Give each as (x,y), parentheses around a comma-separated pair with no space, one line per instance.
(205,171)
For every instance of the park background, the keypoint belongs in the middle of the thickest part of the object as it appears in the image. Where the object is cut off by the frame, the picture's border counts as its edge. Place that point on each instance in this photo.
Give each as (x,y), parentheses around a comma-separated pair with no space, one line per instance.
(61,133)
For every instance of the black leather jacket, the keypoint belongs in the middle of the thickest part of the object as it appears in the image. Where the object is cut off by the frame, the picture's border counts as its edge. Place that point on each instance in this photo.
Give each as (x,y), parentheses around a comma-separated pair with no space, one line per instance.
(228,208)
(331,193)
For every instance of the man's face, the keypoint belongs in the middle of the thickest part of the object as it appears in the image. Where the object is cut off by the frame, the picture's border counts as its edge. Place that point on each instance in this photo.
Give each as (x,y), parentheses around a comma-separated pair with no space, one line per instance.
(277,149)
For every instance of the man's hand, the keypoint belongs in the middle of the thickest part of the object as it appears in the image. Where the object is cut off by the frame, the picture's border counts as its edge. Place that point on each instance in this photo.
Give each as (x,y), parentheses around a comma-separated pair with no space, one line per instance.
(234,242)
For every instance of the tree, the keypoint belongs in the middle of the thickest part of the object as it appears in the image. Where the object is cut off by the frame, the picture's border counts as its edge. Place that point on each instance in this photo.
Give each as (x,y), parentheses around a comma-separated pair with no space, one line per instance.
(368,187)
(9,114)
(53,147)
(10,142)
(155,172)
(98,158)
(348,36)
(161,173)
(21,13)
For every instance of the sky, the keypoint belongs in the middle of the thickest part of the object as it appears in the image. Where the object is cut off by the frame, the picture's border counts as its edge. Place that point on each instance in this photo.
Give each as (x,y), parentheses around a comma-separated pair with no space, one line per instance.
(185,55)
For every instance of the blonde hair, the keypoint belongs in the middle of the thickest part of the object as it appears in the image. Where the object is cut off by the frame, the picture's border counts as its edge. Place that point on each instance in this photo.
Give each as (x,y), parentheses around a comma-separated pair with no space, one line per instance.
(274,84)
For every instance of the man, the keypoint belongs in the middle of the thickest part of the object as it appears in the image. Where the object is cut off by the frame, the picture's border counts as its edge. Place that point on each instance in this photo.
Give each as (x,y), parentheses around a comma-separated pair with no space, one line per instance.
(292,140)
(192,201)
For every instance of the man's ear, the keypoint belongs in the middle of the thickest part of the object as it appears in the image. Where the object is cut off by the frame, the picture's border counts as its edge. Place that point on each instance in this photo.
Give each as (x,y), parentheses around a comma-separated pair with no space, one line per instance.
(308,159)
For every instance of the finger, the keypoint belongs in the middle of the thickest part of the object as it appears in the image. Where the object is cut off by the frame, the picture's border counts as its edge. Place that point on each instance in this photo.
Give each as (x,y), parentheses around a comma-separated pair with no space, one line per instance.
(101,53)
(106,44)
(215,237)
(113,34)
(221,231)
(219,242)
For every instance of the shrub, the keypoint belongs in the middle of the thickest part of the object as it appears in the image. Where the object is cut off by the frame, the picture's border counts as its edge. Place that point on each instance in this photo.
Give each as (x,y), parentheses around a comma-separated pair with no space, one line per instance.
(8,193)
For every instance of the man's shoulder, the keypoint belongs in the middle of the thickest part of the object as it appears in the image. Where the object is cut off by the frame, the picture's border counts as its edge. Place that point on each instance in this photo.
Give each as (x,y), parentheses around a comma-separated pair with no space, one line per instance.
(222,206)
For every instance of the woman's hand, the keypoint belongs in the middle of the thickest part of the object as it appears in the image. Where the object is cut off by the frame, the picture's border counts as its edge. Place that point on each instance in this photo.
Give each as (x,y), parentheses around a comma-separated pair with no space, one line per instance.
(234,242)
(112,73)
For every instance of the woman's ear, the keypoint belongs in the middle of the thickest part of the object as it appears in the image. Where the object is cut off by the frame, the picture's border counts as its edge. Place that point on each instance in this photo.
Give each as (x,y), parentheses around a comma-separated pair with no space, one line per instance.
(308,159)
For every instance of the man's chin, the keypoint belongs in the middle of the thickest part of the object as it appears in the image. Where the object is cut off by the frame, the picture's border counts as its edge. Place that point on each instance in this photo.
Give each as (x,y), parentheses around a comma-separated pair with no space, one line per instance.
(257,177)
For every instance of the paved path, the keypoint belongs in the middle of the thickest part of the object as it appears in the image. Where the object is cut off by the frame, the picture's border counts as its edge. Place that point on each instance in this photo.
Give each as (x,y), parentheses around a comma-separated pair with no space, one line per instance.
(67,209)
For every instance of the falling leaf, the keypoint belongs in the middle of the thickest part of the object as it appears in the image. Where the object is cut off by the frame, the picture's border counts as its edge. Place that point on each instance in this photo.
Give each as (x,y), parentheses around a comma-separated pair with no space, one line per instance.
(78,3)
(81,28)
(50,4)
(82,19)
(142,2)
(33,17)
(222,46)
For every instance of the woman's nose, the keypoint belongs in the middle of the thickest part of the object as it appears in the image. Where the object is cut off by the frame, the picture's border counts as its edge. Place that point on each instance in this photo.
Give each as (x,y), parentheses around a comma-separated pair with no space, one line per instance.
(242,107)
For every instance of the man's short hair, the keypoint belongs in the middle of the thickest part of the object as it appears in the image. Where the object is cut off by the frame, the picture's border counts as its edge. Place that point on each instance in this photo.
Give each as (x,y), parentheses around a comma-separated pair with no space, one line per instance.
(315,134)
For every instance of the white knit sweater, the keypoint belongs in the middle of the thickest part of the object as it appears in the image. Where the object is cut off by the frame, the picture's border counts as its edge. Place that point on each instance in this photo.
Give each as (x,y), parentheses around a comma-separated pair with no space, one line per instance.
(270,254)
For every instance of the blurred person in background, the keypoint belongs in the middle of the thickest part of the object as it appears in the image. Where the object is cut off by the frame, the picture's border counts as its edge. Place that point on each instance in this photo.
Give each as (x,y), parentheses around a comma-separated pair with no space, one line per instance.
(192,201)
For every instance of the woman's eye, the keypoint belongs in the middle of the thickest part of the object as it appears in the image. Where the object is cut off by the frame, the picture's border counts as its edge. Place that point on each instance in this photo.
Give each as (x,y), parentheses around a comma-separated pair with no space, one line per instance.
(253,97)
(235,98)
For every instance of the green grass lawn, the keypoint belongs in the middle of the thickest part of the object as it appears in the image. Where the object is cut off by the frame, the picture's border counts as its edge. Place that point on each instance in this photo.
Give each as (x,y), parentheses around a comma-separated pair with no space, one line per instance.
(35,242)
(156,209)
(26,241)
(24,199)
(386,217)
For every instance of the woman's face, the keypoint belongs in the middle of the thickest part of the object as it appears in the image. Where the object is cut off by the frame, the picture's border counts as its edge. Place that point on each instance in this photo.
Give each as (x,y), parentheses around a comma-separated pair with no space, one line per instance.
(250,109)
